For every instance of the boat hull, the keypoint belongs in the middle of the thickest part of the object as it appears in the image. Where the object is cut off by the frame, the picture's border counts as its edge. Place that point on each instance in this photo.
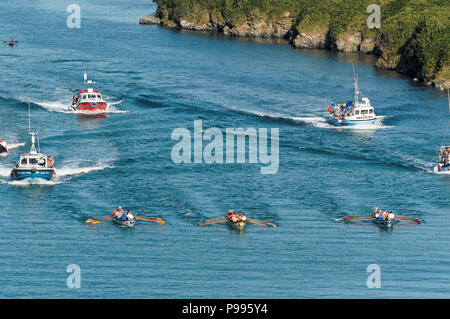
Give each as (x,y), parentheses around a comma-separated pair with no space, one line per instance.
(3,150)
(384,223)
(237,225)
(125,223)
(347,122)
(21,174)
(90,107)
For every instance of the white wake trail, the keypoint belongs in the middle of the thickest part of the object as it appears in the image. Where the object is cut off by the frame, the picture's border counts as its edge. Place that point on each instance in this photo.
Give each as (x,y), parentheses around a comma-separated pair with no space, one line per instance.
(60,107)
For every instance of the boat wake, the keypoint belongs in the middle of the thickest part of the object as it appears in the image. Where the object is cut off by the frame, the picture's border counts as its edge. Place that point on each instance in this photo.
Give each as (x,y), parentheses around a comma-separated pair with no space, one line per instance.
(63,174)
(59,107)
(315,121)
(442,172)
(12,146)
(322,122)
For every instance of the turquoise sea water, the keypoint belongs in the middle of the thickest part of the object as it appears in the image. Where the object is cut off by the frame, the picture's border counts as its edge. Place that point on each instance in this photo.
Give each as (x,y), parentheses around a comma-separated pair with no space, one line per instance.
(157,80)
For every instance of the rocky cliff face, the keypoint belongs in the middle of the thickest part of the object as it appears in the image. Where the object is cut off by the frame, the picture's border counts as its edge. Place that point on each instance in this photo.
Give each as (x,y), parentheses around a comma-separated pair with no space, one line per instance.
(403,44)
(255,27)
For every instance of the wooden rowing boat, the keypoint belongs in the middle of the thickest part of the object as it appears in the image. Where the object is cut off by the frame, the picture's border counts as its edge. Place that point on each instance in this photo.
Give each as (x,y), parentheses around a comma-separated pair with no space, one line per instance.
(125,223)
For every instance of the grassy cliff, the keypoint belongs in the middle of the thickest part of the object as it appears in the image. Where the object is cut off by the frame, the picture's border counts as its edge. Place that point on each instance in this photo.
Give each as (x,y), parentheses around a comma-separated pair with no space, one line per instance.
(414,37)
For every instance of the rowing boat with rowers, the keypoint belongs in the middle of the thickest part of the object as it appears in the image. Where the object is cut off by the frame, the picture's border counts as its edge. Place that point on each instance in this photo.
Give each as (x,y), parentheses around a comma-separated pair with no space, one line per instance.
(129,221)
(236,220)
(382,219)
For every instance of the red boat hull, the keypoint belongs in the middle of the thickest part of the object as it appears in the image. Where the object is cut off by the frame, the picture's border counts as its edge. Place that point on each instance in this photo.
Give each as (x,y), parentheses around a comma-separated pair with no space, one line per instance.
(100,106)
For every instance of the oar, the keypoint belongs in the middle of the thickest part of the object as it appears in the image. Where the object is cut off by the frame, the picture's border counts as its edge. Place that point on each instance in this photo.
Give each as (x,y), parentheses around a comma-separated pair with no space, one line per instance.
(89,220)
(349,220)
(261,222)
(213,222)
(102,220)
(214,219)
(157,220)
(353,216)
(413,220)
(406,217)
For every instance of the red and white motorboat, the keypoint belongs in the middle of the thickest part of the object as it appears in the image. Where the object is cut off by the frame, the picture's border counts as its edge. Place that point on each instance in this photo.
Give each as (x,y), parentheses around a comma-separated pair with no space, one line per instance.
(89,99)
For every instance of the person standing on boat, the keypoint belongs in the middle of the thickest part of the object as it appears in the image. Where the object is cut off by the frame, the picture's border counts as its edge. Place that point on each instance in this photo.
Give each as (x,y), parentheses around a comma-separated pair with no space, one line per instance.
(51,162)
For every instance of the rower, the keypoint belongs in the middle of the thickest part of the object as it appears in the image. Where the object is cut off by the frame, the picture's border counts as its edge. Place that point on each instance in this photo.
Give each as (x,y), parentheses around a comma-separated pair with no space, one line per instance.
(391,216)
(119,213)
(129,215)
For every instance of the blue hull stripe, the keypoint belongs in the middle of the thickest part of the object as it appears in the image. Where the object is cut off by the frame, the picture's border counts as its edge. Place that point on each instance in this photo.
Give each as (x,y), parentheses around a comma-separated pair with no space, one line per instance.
(19,175)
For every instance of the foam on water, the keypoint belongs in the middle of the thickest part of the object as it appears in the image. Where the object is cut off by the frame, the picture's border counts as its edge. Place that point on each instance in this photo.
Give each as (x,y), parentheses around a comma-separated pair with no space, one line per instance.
(61,107)
(316,121)
(73,171)
(442,173)
(63,174)
(12,146)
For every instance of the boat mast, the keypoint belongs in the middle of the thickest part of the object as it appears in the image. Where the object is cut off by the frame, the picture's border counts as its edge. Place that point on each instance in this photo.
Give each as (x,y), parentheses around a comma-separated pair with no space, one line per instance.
(33,139)
(355,84)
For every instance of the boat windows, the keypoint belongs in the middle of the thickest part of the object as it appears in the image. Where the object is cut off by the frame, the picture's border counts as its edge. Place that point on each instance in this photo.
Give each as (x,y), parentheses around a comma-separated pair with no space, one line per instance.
(33,161)
(84,96)
(370,111)
(23,161)
(364,111)
(99,96)
(91,96)
(356,112)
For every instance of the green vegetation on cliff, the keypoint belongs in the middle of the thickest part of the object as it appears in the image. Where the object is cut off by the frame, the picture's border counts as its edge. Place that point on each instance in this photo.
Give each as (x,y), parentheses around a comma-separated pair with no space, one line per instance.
(414,37)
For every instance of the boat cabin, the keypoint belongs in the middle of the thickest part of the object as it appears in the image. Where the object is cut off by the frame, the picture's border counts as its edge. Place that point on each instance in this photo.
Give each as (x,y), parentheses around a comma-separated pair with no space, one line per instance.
(90,95)
(33,161)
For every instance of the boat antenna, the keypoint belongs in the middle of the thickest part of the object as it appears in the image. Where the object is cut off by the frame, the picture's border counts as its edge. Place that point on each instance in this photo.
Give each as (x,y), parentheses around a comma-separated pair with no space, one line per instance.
(448,124)
(29,118)
(448,97)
